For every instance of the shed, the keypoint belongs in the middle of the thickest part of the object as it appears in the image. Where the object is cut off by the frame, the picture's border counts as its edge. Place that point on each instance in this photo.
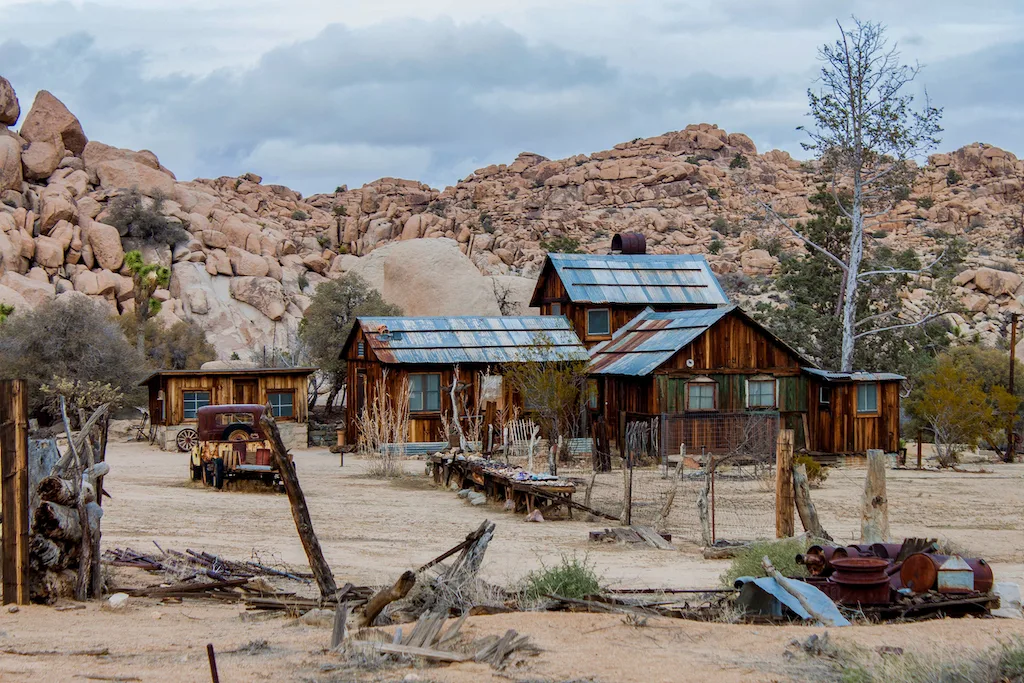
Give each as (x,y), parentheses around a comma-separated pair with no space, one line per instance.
(711,370)
(601,293)
(425,352)
(176,395)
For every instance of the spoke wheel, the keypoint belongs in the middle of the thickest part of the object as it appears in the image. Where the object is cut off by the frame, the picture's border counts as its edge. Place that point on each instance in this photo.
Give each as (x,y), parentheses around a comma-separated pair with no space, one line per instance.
(186,439)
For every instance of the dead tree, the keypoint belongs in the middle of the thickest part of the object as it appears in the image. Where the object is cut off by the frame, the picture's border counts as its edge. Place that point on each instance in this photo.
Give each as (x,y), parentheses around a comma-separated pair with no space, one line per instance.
(805,506)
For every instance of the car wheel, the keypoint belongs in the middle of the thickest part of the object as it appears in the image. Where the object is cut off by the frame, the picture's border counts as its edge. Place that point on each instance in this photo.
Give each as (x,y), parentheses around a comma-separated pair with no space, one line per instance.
(237,433)
(218,473)
(186,439)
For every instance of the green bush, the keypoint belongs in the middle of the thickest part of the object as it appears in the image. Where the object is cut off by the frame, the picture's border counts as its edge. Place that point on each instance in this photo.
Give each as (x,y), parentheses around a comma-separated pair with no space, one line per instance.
(772,244)
(486,222)
(139,221)
(323,240)
(739,161)
(300,215)
(572,577)
(816,472)
(714,193)
(5,310)
(715,246)
(340,210)
(925,203)
(952,177)
(880,234)
(782,554)
(561,245)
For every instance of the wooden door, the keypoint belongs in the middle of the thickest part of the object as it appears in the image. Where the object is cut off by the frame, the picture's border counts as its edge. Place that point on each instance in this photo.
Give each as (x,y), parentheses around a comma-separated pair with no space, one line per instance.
(245,391)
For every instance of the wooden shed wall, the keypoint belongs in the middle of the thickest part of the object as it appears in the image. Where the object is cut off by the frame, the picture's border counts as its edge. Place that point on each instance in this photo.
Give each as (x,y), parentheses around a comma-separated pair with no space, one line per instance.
(839,428)
(224,389)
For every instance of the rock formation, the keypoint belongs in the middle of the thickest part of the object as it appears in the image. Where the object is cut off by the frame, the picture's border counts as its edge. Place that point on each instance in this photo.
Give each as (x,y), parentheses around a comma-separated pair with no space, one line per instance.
(255,253)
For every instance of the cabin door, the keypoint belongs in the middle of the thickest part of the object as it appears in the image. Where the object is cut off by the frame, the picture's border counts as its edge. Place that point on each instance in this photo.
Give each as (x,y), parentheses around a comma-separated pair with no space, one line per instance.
(360,397)
(245,391)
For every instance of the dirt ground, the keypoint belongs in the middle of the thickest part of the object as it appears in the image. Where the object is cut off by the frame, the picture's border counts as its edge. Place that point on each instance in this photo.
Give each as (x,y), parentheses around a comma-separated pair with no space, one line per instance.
(372,530)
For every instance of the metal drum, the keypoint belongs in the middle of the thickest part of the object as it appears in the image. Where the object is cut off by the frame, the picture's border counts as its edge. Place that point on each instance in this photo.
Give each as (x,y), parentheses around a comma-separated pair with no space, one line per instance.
(861,580)
(629,243)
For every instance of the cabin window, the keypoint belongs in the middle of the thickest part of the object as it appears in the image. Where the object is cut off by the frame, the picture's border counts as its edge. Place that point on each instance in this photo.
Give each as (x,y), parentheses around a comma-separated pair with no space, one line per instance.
(282,403)
(592,394)
(360,349)
(824,396)
(761,393)
(194,400)
(867,398)
(599,322)
(701,395)
(556,308)
(424,393)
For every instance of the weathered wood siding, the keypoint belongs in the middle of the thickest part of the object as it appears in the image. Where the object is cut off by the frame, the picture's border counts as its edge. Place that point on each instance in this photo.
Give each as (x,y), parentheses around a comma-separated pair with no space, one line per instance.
(224,389)
(838,428)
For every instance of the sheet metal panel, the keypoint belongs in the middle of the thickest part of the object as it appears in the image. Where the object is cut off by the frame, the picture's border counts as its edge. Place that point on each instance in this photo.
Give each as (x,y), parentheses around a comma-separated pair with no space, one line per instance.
(639,279)
(854,376)
(451,340)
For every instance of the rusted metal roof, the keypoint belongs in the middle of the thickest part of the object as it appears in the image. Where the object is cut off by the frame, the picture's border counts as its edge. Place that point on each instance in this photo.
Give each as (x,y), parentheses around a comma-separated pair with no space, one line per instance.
(220,372)
(854,376)
(650,339)
(451,340)
(670,279)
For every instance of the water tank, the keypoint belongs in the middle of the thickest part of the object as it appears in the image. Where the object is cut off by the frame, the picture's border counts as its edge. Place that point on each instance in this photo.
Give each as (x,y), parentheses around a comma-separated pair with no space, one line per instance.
(629,243)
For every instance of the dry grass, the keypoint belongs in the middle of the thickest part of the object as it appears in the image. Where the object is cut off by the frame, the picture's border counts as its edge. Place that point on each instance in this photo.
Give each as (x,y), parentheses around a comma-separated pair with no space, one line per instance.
(384,430)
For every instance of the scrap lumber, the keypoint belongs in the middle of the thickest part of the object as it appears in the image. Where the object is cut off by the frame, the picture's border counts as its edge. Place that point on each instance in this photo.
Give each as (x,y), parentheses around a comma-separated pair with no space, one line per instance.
(300,512)
(805,506)
(651,537)
(424,652)
(385,597)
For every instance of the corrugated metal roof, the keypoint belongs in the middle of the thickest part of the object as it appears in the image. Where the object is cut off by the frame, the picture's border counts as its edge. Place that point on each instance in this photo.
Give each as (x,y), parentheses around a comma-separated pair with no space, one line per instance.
(854,376)
(227,371)
(650,339)
(451,340)
(639,279)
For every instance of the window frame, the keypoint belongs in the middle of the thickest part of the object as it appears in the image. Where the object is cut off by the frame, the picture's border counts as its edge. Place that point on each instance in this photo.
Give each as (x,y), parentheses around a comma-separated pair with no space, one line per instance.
(714,395)
(608,313)
(593,394)
(775,393)
(872,411)
(361,349)
(556,308)
(424,392)
(281,392)
(825,396)
(195,410)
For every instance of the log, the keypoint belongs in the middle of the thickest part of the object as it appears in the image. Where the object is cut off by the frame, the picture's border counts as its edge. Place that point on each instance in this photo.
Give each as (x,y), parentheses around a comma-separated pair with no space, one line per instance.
(300,512)
(57,490)
(76,443)
(874,519)
(784,523)
(805,506)
(58,521)
(46,552)
(702,512)
(385,597)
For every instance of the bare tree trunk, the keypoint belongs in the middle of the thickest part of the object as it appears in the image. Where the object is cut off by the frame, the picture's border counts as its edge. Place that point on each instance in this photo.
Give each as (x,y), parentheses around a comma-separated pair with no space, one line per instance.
(874,523)
(805,506)
(852,274)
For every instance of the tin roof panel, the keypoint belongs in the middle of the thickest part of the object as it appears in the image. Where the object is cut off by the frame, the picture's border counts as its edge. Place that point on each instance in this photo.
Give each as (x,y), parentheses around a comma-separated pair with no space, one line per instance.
(639,279)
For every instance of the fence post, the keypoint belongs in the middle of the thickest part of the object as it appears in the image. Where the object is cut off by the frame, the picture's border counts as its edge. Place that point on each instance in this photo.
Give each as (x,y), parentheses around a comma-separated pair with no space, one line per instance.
(714,539)
(784,522)
(14,462)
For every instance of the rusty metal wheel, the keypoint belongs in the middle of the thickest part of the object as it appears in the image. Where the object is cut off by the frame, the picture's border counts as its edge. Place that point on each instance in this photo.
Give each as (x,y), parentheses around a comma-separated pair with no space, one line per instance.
(186,439)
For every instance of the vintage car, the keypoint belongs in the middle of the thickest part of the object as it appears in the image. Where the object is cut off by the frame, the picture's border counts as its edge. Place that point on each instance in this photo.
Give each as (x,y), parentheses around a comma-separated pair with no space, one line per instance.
(231,446)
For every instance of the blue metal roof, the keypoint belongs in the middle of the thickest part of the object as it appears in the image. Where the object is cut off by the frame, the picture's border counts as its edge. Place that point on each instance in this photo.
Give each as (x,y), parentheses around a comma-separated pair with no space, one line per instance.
(669,279)
(451,340)
(854,376)
(650,339)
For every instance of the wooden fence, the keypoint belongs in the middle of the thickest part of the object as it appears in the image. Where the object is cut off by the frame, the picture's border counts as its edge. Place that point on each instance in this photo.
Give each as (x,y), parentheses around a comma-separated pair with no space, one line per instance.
(14,475)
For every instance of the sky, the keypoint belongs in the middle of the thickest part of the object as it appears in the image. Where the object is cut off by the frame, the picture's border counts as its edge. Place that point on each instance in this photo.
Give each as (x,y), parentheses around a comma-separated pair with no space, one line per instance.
(314,94)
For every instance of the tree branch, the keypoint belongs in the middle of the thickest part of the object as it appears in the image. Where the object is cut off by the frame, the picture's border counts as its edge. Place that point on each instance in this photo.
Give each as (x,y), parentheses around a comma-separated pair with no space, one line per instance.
(803,238)
(917,323)
(900,271)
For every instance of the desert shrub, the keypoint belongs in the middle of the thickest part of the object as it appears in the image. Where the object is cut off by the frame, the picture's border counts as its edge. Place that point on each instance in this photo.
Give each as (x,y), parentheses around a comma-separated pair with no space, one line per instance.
(302,280)
(901,194)
(141,221)
(486,222)
(300,215)
(952,177)
(816,472)
(323,240)
(73,338)
(438,207)
(771,244)
(782,553)
(720,225)
(572,577)
(925,203)
(1003,663)
(880,234)
(714,193)
(339,210)
(5,310)
(561,245)
(182,346)
(739,161)
(715,246)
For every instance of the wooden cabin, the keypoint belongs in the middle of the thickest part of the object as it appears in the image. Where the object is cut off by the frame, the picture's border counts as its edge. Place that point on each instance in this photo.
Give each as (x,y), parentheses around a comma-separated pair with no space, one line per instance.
(425,352)
(601,293)
(176,395)
(717,372)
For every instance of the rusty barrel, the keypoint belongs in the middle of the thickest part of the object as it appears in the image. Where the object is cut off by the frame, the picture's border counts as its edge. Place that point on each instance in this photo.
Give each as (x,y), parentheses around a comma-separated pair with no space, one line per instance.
(861,580)
(920,572)
(887,551)
(629,243)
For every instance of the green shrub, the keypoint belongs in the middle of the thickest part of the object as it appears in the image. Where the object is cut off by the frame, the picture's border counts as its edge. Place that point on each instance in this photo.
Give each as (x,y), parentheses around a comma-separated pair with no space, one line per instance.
(816,472)
(141,222)
(714,193)
(323,240)
(715,246)
(5,310)
(925,203)
(782,554)
(486,222)
(340,210)
(720,225)
(952,177)
(773,245)
(880,234)
(739,161)
(572,577)
(901,194)
(561,245)
(300,215)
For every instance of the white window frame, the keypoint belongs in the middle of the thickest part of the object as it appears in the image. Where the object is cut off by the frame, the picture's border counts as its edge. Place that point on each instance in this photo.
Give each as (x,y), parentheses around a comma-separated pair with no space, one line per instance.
(197,404)
(825,395)
(608,313)
(708,383)
(864,385)
(775,392)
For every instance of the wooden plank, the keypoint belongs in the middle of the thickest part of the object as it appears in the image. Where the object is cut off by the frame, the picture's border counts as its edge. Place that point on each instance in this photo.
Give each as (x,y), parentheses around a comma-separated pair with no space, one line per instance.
(14,475)
(425,652)
(651,537)
(784,520)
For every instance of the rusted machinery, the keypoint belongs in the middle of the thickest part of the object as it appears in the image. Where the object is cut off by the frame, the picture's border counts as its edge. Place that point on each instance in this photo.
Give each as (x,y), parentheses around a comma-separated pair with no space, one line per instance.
(884,573)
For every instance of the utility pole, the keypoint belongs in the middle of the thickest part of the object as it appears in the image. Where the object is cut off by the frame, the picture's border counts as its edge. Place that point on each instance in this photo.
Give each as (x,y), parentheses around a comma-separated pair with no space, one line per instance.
(1011,441)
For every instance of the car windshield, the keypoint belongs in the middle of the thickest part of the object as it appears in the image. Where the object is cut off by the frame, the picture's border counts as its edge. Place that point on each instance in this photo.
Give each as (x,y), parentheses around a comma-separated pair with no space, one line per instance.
(225,419)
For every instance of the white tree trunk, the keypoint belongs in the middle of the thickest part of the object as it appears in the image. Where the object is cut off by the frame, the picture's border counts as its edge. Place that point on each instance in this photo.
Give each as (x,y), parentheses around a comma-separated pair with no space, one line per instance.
(852,272)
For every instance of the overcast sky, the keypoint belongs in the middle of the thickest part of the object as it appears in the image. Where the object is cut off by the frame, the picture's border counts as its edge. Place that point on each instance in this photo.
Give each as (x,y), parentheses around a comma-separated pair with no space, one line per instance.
(319,93)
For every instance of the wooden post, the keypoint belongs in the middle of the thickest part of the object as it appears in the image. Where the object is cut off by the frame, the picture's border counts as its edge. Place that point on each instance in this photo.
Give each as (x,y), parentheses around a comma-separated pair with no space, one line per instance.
(874,521)
(784,522)
(920,435)
(300,513)
(1011,444)
(14,471)
(805,506)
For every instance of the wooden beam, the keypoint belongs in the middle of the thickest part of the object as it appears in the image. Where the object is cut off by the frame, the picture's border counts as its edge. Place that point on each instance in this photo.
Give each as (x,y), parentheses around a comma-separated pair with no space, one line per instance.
(300,512)
(784,522)
(14,477)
